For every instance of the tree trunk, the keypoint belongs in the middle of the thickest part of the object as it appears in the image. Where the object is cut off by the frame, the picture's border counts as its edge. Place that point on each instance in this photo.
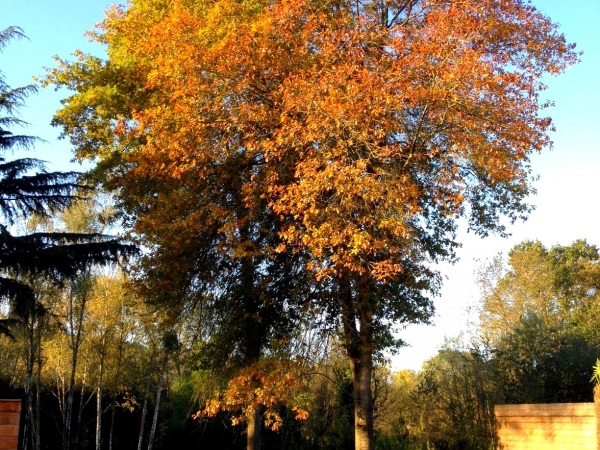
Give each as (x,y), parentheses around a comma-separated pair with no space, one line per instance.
(144,412)
(68,415)
(358,339)
(117,381)
(75,323)
(82,403)
(113,412)
(112,421)
(37,439)
(30,356)
(363,403)
(253,337)
(99,406)
(253,429)
(157,405)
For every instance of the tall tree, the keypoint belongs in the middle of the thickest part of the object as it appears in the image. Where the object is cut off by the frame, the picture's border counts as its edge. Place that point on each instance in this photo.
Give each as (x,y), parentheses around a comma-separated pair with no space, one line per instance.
(363,129)
(26,189)
(220,250)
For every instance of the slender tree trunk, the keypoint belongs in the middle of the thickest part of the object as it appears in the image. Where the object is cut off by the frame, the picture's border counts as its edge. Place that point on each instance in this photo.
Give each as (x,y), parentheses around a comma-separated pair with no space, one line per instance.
(75,322)
(113,412)
(112,421)
(117,381)
(157,404)
(358,337)
(99,406)
(61,394)
(82,403)
(37,441)
(27,425)
(67,423)
(28,412)
(144,412)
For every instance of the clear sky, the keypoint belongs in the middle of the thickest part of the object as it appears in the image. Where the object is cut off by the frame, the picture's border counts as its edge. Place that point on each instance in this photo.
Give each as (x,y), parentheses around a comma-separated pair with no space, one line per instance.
(568,199)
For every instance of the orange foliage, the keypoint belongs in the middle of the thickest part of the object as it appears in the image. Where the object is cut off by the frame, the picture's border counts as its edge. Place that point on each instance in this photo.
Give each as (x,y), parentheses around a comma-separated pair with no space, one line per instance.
(265,384)
(357,126)
(362,133)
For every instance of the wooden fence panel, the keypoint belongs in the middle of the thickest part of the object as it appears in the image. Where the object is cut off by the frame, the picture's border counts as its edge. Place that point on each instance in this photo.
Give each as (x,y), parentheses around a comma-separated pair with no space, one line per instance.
(564,426)
(10,414)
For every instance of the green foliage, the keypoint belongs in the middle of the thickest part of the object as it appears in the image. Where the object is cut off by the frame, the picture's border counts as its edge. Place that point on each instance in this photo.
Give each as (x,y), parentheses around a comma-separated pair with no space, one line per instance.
(540,318)
(383,442)
(456,394)
(330,423)
(536,364)
(27,190)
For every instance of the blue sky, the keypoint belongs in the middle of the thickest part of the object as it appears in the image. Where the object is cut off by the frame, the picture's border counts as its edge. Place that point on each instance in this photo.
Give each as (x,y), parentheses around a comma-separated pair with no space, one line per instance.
(568,190)
(568,199)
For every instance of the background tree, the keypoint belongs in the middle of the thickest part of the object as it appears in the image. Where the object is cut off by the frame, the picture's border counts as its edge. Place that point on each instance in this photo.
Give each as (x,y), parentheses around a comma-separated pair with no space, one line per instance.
(397,418)
(456,397)
(26,189)
(540,318)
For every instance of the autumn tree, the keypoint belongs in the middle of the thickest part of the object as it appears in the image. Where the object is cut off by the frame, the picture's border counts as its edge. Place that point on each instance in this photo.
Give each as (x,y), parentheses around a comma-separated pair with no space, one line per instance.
(219,252)
(362,130)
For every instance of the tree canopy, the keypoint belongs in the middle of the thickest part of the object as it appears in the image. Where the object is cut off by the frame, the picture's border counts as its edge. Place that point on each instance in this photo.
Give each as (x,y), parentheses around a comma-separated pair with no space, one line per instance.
(27,189)
(353,134)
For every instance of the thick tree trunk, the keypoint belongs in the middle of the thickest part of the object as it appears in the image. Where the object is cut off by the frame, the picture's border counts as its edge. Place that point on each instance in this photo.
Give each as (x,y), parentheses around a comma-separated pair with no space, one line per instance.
(358,338)
(253,429)
(363,403)
(253,338)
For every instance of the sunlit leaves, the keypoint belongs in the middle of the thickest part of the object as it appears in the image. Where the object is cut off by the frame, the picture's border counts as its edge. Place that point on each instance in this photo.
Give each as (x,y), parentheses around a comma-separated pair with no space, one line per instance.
(265,384)
(350,134)
(358,125)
